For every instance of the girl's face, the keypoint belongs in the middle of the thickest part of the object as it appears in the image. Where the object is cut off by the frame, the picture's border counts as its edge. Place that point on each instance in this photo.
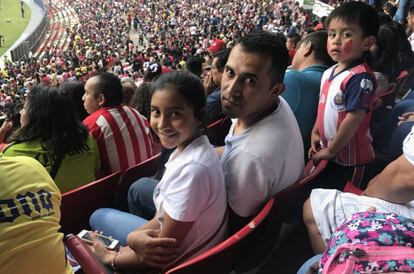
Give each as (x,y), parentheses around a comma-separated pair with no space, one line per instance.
(172,119)
(24,119)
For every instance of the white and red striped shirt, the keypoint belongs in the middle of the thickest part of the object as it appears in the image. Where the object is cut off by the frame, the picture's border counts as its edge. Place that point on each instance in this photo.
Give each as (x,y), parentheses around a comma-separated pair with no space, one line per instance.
(123,136)
(348,91)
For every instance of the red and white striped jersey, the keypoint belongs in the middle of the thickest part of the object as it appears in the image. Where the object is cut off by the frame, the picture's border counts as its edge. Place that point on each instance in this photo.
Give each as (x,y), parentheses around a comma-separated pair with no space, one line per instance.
(349,90)
(123,136)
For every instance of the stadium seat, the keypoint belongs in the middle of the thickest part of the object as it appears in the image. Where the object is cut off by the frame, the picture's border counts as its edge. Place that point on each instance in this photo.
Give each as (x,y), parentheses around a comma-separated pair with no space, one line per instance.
(349,187)
(84,256)
(78,204)
(146,168)
(259,246)
(219,259)
(218,130)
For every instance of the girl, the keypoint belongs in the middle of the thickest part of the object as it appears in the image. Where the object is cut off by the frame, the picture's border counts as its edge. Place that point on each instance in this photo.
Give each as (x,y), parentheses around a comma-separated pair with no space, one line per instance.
(190,198)
(52,134)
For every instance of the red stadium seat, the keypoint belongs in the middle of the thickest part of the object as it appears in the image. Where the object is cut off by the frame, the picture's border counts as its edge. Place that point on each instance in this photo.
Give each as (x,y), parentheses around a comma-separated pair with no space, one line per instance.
(252,244)
(349,187)
(264,241)
(218,130)
(78,204)
(146,168)
(84,256)
(219,259)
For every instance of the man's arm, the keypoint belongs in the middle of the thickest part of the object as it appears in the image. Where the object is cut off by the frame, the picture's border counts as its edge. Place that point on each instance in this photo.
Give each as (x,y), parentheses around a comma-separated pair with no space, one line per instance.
(395,183)
(345,132)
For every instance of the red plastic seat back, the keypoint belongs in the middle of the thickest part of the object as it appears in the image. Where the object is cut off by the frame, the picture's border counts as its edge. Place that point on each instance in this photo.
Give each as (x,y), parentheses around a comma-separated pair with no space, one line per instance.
(146,168)
(218,130)
(263,241)
(220,259)
(78,204)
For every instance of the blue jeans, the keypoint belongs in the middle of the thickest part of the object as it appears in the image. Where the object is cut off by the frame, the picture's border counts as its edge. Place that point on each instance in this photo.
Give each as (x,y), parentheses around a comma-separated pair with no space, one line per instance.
(140,198)
(115,223)
(304,268)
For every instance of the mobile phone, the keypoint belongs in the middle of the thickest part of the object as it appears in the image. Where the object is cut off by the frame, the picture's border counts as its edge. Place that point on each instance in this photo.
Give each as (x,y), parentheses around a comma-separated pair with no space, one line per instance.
(107,242)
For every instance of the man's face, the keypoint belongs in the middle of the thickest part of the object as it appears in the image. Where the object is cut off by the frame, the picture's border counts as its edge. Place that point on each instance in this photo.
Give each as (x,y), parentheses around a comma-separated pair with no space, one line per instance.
(410,20)
(290,44)
(246,85)
(90,100)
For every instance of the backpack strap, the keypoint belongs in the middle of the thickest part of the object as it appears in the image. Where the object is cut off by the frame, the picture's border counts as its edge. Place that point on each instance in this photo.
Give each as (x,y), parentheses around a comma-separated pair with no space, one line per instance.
(56,165)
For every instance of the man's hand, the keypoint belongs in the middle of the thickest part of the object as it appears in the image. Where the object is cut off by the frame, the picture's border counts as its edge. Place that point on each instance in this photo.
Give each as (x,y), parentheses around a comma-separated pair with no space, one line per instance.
(321,155)
(155,252)
(209,83)
(4,129)
(406,117)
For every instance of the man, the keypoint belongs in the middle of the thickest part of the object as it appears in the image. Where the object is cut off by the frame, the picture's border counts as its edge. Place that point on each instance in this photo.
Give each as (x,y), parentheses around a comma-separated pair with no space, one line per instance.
(122,134)
(212,83)
(263,152)
(302,82)
(410,24)
(29,219)
(390,191)
(291,41)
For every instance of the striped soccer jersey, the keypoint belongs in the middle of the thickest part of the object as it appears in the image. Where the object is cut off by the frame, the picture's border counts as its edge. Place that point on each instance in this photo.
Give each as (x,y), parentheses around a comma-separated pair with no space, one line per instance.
(350,90)
(123,137)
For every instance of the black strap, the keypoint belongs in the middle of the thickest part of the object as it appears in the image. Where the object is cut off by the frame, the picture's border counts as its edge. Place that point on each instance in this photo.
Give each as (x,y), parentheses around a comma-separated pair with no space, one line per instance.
(56,166)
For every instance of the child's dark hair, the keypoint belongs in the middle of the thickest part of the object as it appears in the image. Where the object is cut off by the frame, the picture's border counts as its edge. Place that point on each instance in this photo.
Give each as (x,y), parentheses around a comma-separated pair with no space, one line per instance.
(190,87)
(359,13)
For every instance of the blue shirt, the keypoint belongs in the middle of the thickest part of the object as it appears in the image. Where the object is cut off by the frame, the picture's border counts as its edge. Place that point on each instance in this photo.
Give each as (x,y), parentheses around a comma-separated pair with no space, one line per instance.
(302,94)
(214,109)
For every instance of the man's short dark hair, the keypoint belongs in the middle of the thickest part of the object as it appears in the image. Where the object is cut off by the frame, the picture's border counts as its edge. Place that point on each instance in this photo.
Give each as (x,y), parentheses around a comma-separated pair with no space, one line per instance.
(194,64)
(295,37)
(222,56)
(110,86)
(359,13)
(318,45)
(262,42)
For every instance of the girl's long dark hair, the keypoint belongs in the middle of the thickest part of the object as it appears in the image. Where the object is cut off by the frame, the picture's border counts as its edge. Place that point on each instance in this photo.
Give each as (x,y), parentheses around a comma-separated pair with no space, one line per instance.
(52,120)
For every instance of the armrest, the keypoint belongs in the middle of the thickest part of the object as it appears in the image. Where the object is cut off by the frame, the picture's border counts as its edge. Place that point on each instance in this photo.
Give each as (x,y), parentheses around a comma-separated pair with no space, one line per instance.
(84,256)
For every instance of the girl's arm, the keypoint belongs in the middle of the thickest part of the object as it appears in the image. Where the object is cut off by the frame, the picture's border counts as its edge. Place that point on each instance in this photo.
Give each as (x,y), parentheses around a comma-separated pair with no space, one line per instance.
(146,249)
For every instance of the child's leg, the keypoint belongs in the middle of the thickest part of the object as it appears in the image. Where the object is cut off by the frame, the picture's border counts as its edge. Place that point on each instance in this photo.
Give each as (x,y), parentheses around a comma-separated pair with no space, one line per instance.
(315,237)
(334,176)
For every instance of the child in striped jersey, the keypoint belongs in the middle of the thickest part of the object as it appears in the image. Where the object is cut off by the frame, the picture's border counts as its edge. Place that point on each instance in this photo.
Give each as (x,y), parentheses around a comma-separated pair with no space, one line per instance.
(341,132)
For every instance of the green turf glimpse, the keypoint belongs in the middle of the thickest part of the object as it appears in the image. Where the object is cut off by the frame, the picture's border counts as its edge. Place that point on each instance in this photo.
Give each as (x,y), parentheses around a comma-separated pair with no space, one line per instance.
(11,22)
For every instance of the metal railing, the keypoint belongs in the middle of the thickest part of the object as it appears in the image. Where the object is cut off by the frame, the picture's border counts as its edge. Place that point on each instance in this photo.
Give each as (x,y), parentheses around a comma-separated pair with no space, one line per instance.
(34,39)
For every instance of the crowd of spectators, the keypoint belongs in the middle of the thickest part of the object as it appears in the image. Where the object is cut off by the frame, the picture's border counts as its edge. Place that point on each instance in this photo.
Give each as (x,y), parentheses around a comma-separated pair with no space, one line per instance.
(118,51)
(178,30)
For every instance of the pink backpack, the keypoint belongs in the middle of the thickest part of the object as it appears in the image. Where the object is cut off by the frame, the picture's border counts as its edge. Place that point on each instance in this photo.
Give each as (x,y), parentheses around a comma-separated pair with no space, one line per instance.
(371,242)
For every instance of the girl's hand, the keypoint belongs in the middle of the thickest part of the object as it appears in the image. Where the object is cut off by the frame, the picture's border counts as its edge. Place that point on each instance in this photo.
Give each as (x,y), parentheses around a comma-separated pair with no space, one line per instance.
(104,255)
(155,252)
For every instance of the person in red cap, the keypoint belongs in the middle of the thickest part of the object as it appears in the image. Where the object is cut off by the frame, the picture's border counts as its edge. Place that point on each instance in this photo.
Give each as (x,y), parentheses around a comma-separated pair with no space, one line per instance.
(217,45)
